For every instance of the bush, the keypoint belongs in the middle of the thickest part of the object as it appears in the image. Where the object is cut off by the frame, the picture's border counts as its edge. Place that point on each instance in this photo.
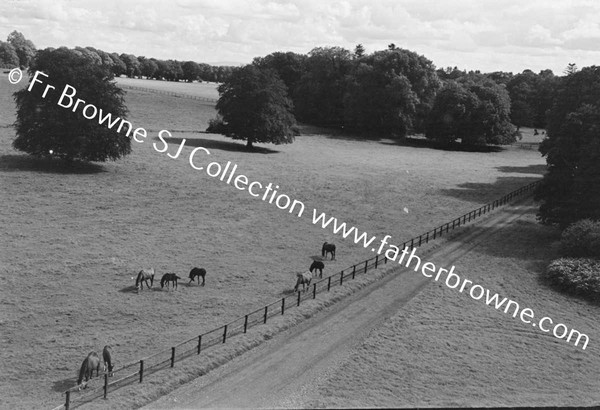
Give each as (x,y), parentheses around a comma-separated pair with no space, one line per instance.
(216,126)
(581,239)
(577,276)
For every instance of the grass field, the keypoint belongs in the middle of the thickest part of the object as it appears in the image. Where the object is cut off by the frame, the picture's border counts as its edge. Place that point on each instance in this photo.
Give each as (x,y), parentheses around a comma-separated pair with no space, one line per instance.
(73,239)
(206,90)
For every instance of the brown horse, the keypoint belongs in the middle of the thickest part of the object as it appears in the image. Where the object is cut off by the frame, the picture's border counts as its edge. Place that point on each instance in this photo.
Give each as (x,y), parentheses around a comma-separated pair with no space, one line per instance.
(303,279)
(317,266)
(144,276)
(107,356)
(197,272)
(90,363)
(328,248)
(169,277)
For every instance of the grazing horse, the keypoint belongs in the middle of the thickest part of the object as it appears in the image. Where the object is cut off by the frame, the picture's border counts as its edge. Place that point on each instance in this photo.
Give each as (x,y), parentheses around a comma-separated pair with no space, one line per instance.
(90,363)
(197,272)
(106,355)
(169,277)
(328,248)
(317,266)
(303,279)
(144,275)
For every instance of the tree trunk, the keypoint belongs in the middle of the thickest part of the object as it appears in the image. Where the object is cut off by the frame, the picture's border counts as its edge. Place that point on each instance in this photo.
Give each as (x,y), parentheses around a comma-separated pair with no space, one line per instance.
(249,144)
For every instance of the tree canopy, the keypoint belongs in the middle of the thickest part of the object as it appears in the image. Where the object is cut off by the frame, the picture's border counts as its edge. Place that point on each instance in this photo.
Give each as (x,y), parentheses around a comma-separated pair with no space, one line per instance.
(254,106)
(24,48)
(473,109)
(46,129)
(570,190)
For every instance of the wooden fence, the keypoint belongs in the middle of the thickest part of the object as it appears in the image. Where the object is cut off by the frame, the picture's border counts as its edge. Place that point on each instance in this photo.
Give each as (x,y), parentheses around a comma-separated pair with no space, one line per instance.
(135,372)
(172,93)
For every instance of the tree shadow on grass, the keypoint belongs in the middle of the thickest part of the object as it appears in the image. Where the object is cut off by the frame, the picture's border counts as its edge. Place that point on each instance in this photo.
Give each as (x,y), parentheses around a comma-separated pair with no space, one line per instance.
(421,142)
(219,145)
(483,193)
(12,163)
(539,169)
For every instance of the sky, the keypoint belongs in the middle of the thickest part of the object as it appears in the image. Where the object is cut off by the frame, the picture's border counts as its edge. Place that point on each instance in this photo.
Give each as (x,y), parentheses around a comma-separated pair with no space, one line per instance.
(485,35)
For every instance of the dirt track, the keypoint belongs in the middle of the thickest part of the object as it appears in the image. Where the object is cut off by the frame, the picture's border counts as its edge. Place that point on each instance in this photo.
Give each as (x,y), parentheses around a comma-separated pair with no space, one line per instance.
(284,371)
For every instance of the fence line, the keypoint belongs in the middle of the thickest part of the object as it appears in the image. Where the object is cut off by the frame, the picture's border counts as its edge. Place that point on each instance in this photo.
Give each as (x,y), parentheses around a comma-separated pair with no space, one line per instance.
(197,344)
(172,93)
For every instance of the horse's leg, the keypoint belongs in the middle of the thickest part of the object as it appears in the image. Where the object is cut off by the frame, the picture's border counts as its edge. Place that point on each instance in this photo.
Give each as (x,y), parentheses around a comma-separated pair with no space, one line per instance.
(202,281)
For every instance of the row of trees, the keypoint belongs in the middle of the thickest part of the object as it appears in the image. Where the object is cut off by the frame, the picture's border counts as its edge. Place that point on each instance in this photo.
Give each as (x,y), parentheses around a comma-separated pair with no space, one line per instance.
(18,51)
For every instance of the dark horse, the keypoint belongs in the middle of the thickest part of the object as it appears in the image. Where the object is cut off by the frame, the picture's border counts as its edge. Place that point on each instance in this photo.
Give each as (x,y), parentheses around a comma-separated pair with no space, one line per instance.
(143,276)
(108,359)
(90,363)
(197,272)
(169,277)
(317,266)
(303,279)
(328,248)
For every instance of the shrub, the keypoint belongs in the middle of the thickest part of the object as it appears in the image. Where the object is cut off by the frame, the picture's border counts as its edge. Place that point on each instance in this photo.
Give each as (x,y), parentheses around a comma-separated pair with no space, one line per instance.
(582,239)
(577,276)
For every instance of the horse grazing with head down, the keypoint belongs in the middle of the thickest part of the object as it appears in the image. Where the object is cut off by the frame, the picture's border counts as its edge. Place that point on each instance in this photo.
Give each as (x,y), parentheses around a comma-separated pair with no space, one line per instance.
(199,273)
(144,276)
(107,356)
(169,277)
(90,363)
(317,266)
(303,279)
(328,248)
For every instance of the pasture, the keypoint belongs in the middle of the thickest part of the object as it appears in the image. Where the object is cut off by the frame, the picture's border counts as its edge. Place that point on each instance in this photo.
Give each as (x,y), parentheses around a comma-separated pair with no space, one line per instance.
(72,239)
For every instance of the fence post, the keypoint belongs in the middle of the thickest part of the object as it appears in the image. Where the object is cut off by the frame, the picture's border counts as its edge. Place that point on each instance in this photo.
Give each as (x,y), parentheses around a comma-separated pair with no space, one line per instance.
(266,307)
(366,264)
(282,306)
(376,260)
(353,271)
(328,283)
(105,385)
(245,323)
(314,290)
(420,239)
(200,343)
(225,333)
(341,277)
(67,399)
(141,371)
(434,231)
(172,357)
(412,243)
(427,237)
(298,298)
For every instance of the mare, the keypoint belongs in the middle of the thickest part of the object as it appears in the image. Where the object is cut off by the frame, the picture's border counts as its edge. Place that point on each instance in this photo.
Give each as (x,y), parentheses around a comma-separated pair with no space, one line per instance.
(303,279)
(317,266)
(144,275)
(328,248)
(197,272)
(106,355)
(169,277)
(90,363)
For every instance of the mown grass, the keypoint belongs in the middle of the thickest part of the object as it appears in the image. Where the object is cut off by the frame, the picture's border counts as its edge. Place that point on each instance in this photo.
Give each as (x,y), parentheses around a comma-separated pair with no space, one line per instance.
(74,238)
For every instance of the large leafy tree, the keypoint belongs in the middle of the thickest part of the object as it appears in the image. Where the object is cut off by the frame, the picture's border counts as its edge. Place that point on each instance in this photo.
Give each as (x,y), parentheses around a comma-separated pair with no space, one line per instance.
(570,190)
(475,110)
(8,55)
(45,128)
(390,92)
(24,48)
(255,107)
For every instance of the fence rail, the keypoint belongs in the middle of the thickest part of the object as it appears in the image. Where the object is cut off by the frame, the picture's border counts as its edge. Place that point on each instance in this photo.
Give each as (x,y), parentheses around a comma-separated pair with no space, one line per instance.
(198,344)
(172,93)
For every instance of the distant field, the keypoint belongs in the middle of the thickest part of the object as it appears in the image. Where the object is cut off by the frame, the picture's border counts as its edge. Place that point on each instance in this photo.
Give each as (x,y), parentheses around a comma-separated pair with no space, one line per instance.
(73,240)
(206,90)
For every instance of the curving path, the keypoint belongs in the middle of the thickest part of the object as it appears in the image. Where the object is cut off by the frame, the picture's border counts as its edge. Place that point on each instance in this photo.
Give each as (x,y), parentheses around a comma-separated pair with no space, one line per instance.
(282,372)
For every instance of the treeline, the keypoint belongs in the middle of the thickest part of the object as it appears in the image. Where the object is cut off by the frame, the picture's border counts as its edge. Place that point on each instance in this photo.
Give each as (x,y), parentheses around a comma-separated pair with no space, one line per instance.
(18,51)
(396,92)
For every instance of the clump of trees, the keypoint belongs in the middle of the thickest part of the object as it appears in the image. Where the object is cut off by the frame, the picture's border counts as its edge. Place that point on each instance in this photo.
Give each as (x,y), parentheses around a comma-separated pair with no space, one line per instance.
(46,129)
(254,107)
(17,51)
(475,110)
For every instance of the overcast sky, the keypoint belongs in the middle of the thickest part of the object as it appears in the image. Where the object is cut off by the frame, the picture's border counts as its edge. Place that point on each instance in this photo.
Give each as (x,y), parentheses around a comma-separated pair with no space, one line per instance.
(488,35)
